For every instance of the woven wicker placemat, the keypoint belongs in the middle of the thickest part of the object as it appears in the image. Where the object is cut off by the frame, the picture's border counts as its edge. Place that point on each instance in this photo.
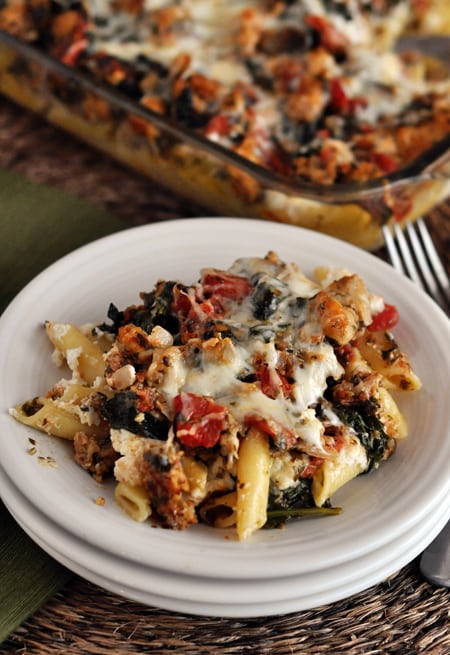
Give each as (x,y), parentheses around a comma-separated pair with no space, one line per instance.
(404,615)
(401,616)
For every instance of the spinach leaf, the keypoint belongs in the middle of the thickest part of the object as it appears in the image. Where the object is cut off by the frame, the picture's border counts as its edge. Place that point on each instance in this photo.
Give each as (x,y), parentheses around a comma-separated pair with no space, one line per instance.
(155,310)
(121,412)
(368,428)
(294,502)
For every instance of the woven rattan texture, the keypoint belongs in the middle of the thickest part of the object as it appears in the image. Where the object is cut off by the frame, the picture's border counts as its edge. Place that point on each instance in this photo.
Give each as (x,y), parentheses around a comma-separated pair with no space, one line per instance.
(402,616)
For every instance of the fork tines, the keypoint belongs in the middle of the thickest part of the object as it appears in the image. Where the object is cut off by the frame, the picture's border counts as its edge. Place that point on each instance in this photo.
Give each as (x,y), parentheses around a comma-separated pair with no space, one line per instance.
(413,253)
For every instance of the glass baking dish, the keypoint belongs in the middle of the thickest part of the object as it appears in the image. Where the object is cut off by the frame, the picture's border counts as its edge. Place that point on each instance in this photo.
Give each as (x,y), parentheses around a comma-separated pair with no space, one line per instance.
(203,171)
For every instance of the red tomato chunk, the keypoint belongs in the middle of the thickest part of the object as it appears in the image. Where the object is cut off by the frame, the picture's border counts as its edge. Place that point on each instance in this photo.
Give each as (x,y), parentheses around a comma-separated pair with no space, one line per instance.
(199,421)
(386,319)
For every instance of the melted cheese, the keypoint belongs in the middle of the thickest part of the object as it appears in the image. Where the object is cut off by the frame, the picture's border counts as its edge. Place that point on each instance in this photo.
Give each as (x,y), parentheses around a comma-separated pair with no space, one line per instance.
(311,378)
(220,368)
(208,31)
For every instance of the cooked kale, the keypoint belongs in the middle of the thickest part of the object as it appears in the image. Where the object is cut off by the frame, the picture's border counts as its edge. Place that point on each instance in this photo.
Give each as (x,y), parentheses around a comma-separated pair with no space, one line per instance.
(121,412)
(265,298)
(368,428)
(294,497)
(159,304)
(114,315)
(340,8)
(217,328)
(155,310)
(278,518)
(298,495)
(294,502)
(186,112)
(262,331)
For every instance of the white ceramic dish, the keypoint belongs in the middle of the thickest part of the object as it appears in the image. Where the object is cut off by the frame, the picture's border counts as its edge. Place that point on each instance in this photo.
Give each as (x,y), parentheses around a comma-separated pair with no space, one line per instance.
(378,508)
(219,597)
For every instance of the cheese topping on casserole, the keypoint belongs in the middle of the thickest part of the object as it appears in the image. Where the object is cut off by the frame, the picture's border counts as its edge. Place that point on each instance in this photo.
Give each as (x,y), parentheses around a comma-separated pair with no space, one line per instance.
(312,89)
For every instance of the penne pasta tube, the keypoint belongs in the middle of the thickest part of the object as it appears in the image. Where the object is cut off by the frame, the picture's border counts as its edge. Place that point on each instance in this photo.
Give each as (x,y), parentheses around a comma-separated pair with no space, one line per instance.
(382,353)
(391,416)
(197,475)
(82,355)
(133,500)
(220,511)
(334,473)
(53,420)
(253,476)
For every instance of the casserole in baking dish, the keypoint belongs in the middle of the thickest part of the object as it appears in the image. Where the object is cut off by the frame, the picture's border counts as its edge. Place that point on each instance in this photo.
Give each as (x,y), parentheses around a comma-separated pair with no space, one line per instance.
(300,112)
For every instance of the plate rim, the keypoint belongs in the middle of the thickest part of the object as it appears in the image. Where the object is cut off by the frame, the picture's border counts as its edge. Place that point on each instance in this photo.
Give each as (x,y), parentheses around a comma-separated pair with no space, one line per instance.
(405,552)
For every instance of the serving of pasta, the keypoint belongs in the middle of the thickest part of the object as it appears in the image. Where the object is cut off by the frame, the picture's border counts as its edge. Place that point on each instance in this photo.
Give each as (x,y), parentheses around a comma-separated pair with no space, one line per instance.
(245,399)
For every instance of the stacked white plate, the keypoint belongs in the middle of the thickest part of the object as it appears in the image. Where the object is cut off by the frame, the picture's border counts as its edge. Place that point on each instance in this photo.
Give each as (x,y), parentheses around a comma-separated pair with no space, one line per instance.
(388,516)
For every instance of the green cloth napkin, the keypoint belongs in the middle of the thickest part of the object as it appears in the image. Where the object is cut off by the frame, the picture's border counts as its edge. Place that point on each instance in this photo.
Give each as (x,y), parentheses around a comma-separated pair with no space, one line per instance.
(38,225)
(28,576)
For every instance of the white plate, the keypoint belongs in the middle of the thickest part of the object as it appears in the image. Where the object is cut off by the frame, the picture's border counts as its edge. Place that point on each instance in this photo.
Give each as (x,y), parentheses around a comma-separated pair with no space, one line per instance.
(219,597)
(378,508)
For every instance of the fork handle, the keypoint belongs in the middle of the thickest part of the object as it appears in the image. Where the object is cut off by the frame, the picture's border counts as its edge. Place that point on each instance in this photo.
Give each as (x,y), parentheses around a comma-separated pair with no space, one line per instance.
(435,559)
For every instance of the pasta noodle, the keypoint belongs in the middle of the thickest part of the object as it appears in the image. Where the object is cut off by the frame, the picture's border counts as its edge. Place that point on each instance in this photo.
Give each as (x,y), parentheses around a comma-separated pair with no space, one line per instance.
(334,473)
(48,417)
(220,511)
(382,353)
(81,354)
(253,477)
(197,475)
(133,500)
(252,394)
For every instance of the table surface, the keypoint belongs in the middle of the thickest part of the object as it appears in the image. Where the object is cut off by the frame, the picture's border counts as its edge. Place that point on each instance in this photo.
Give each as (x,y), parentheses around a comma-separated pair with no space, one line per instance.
(403,615)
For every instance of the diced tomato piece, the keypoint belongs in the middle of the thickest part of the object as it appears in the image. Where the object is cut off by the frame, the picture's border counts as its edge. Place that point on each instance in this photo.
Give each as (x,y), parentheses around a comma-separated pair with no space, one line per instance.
(286,386)
(272,382)
(341,102)
(269,381)
(282,436)
(225,285)
(339,98)
(311,468)
(73,52)
(345,354)
(385,162)
(327,154)
(145,402)
(199,421)
(279,161)
(324,133)
(219,124)
(331,39)
(386,319)
(190,309)
(207,308)
(193,324)
(181,303)
(402,205)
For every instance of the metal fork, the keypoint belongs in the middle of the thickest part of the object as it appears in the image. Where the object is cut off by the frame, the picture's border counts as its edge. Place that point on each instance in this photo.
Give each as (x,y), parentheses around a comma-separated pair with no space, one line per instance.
(414,254)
